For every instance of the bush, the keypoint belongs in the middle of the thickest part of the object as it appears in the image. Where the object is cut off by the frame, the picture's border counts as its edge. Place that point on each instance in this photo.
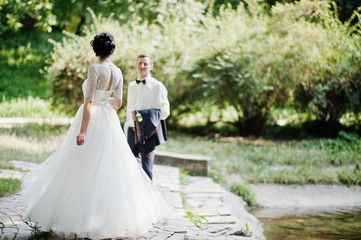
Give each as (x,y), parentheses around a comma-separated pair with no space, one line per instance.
(228,79)
(322,61)
(269,58)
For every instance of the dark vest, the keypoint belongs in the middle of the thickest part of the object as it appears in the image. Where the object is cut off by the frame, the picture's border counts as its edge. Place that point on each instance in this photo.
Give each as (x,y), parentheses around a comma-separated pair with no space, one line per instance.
(153,131)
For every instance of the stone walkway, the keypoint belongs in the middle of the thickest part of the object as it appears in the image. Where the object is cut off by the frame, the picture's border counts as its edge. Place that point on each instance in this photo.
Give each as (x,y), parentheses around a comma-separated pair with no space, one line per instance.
(218,213)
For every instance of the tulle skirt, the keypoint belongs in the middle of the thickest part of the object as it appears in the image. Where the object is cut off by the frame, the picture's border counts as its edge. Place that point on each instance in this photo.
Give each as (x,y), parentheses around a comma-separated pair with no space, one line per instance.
(97,190)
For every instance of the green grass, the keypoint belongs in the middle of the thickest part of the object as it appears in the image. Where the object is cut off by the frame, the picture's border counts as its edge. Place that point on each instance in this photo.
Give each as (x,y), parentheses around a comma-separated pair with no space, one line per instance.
(29,107)
(9,186)
(36,131)
(328,161)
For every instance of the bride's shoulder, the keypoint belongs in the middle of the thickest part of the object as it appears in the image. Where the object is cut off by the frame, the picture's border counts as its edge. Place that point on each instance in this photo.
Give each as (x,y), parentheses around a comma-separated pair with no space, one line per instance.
(93,66)
(116,68)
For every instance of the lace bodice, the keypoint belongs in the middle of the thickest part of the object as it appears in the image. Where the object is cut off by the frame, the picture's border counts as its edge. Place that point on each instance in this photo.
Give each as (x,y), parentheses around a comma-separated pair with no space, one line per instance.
(97,86)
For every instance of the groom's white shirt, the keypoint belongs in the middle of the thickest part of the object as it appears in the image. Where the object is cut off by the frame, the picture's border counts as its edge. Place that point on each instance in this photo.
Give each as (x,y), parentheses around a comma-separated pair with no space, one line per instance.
(150,95)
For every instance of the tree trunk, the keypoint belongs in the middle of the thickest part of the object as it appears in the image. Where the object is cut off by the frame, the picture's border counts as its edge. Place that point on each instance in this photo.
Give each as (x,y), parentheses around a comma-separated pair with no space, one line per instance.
(252,126)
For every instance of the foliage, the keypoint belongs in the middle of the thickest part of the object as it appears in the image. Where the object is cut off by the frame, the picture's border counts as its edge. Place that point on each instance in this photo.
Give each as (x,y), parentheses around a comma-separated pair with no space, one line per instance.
(279,60)
(73,16)
(15,14)
(345,7)
(228,79)
(9,186)
(297,55)
(22,60)
(318,61)
(331,83)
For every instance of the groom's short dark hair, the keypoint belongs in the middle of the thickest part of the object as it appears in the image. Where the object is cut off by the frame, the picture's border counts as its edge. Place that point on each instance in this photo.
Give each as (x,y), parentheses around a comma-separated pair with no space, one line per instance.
(144,55)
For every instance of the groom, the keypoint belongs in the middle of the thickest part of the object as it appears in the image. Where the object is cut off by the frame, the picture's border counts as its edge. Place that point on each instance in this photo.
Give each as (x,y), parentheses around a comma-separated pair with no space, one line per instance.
(147,108)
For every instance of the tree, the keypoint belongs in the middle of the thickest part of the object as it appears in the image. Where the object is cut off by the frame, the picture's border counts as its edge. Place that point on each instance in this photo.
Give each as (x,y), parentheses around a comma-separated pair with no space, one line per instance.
(15,15)
(73,15)
(345,7)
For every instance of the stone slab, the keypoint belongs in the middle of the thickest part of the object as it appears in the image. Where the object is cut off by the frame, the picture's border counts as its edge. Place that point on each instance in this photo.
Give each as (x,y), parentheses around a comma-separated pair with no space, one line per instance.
(176,236)
(200,165)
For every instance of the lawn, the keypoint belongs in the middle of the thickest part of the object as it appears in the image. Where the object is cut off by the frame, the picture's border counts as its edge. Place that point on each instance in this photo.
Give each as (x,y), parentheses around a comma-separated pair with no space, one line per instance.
(328,161)
(32,143)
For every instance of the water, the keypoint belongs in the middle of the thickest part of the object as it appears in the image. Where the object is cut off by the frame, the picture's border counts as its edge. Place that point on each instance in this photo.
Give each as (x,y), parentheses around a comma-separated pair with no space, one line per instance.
(342,223)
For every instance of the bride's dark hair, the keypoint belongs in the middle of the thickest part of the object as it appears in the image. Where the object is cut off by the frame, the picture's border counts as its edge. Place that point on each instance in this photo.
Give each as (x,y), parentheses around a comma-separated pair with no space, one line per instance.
(103,44)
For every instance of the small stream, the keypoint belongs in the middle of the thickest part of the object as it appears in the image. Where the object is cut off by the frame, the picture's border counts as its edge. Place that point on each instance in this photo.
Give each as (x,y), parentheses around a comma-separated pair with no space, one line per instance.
(341,223)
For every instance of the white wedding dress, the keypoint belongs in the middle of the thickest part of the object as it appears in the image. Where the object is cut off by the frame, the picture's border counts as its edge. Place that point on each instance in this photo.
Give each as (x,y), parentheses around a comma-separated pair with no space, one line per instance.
(97,190)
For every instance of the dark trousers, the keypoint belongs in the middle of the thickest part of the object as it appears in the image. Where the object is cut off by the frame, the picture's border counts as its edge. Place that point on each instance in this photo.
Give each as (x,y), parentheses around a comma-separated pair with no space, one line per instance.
(144,151)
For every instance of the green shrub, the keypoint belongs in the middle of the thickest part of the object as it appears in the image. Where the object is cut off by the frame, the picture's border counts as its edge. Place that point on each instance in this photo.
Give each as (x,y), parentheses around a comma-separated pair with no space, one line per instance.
(328,84)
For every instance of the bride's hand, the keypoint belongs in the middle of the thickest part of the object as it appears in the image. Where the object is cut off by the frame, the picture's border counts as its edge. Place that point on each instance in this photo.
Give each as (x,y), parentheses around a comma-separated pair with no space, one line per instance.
(80,139)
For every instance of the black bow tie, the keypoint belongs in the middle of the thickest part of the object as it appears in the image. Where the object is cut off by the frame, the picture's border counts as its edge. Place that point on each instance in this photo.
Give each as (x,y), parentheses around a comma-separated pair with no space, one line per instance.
(139,81)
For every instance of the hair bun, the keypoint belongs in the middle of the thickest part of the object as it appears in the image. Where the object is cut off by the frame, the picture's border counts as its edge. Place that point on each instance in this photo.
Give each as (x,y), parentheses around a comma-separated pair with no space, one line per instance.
(103,44)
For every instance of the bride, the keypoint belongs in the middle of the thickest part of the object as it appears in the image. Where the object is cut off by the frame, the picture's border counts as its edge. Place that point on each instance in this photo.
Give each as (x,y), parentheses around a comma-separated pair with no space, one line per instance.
(93,186)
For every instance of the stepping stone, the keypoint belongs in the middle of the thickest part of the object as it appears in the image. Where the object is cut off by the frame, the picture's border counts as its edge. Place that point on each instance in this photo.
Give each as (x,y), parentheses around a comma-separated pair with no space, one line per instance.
(221,220)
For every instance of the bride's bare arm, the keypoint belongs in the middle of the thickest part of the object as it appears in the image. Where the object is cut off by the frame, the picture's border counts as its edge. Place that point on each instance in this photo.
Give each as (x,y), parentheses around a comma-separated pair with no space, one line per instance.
(85,121)
(115,102)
